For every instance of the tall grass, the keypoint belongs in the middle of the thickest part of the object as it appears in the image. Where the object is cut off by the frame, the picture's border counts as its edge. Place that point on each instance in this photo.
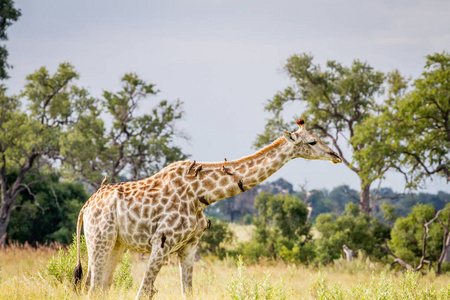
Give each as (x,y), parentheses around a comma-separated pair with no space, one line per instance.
(23,276)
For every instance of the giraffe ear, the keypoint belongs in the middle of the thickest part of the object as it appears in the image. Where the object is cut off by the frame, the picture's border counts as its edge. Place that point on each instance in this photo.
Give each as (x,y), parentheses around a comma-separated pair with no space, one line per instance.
(289,136)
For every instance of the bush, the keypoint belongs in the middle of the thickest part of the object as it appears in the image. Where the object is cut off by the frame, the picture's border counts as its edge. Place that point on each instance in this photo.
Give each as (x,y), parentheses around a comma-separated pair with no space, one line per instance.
(281,230)
(408,232)
(215,239)
(122,276)
(353,229)
(60,267)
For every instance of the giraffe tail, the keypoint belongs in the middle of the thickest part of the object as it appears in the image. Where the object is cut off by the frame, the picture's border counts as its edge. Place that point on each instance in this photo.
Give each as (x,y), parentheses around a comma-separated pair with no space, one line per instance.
(78,271)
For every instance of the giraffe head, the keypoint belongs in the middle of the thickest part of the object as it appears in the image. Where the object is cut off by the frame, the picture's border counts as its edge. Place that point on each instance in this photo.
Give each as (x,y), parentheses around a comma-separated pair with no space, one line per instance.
(308,145)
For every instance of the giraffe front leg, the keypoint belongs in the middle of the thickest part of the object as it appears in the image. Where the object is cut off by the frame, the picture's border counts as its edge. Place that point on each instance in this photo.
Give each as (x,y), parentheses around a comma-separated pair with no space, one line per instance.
(159,254)
(186,262)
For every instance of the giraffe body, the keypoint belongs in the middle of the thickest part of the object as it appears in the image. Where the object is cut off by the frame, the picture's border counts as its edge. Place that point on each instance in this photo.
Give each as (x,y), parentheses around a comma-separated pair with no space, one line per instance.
(163,214)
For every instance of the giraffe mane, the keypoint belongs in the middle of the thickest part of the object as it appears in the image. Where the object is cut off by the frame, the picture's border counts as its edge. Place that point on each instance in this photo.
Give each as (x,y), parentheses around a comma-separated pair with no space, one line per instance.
(262,151)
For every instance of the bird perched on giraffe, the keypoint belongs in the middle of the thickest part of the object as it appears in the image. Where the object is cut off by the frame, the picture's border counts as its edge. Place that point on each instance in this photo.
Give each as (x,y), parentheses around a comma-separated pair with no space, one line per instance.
(163,214)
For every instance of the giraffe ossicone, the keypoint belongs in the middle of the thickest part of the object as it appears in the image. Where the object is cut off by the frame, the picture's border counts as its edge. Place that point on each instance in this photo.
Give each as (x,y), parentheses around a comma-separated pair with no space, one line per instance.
(163,214)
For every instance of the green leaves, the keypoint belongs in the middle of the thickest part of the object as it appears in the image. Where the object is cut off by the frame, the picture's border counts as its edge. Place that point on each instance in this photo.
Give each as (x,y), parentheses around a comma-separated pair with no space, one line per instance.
(337,100)
(412,131)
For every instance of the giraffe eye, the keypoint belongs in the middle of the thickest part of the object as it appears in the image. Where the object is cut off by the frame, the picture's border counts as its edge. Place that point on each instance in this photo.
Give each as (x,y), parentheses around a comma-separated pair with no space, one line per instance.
(312,143)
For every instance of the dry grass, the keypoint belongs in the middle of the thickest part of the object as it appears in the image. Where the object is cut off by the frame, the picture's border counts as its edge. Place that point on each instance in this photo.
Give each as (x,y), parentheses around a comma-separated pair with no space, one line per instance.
(22,276)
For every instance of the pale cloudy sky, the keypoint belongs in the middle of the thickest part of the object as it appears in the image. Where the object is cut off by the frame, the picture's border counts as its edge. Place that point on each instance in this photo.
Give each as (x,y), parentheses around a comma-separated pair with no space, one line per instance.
(224,59)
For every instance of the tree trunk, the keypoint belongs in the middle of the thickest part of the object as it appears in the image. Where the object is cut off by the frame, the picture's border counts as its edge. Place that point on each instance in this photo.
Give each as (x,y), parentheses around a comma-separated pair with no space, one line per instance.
(349,253)
(364,200)
(5,213)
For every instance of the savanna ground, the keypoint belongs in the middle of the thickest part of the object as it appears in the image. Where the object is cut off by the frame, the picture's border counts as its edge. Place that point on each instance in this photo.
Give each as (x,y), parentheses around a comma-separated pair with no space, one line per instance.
(24,275)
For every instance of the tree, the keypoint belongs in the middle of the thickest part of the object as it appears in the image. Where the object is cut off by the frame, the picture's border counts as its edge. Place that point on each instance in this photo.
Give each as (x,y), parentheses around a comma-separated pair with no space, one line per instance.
(414,129)
(408,236)
(135,146)
(215,238)
(30,142)
(336,99)
(8,15)
(47,211)
(281,228)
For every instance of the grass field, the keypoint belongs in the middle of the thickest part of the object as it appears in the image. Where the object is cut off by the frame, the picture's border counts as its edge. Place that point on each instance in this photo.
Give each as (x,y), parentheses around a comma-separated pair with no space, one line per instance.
(24,275)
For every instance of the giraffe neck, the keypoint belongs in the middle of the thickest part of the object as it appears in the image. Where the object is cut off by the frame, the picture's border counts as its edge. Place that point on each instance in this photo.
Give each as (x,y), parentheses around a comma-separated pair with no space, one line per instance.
(247,172)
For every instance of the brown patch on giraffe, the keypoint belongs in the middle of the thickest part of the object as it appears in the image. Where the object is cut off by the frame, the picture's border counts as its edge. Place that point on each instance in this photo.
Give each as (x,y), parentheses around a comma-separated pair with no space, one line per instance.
(142,227)
(172,206)
(146,200)
(250,163)
(139,195)
(165,189)
(215,176)
(96,213)
(242,169)
(179,171)
(224,181)
(195,185)
(208,184)
(171,220)
(260,160)
(132,223)
(219,193)
(157,184)
(136,210)
(177,182)
(157,210)
(179,227)
(146,212)
(183,208)
(164,200)
(190,178)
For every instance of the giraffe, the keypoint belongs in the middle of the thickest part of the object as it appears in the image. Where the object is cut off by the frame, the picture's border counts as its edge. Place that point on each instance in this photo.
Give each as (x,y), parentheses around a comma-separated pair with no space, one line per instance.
(163,214)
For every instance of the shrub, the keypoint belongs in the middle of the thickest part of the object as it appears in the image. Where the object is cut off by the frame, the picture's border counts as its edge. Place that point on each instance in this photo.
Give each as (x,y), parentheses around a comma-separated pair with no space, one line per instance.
(60,267)
(122,276)
(353,229)
(281,229)
(215,239)
(407,235)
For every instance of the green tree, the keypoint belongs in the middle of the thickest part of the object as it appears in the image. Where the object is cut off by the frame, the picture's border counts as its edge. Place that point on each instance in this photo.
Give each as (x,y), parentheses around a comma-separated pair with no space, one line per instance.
(281,228)
(408,233)
(30,142)
(352,228)
(215,239)
(46,211)
(336,99)
(136,145)
(413,130)
(8,15)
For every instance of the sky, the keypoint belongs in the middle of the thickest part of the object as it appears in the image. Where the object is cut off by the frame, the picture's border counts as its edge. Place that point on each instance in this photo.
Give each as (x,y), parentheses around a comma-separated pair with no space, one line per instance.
(224,59)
